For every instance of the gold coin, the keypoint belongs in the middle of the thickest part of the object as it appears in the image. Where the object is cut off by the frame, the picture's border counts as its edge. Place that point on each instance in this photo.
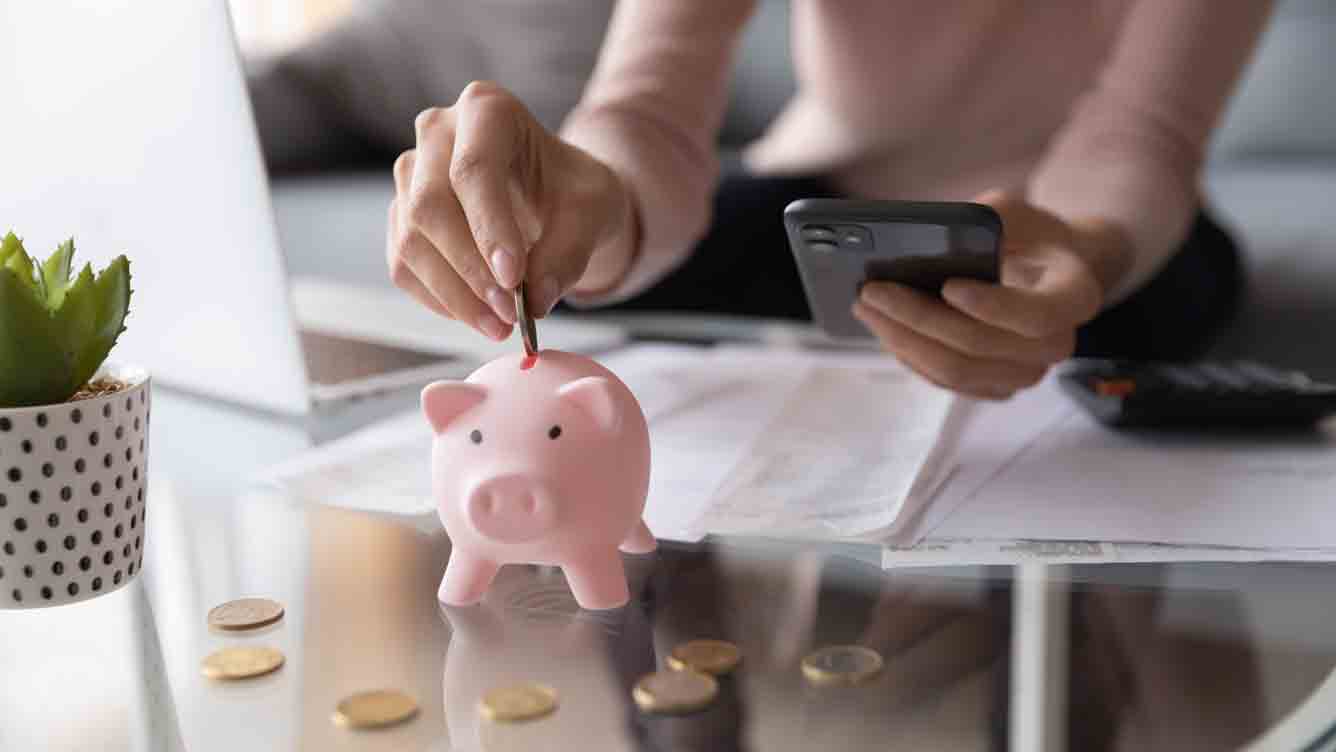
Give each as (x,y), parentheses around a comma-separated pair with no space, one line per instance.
(245,613)
(518,702)
(374,709)
(242,663)
(675,691)
(528,328)
(842,664)
(714,657)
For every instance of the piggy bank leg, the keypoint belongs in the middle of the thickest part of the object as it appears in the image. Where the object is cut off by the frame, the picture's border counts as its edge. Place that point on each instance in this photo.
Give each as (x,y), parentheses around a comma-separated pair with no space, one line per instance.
(640,540)
(598,582)
(466,578)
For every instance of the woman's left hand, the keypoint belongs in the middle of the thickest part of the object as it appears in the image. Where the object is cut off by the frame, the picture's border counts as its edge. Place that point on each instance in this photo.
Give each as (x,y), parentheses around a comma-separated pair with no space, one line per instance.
(991,340)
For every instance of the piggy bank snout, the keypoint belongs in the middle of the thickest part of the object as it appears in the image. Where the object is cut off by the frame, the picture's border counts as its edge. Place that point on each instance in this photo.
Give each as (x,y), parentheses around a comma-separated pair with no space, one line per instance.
(510,508)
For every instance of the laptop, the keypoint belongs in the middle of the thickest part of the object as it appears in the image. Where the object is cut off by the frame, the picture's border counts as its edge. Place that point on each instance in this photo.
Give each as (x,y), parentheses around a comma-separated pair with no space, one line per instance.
(128,126)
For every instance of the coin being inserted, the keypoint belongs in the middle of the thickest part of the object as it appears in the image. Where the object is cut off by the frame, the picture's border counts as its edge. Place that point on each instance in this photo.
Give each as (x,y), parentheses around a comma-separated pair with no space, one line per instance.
(231,664)
(245,613)
(375,709)
(842,665)
(715,657)
(528,329)
(519,702)
(675,692)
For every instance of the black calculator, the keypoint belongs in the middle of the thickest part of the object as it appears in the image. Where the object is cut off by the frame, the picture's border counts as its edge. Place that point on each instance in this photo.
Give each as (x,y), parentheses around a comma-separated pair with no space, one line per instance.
(1196,395)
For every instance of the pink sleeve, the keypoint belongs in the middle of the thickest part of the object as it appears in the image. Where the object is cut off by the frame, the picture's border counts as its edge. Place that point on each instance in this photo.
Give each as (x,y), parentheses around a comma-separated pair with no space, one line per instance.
(1133,149)
(652,112)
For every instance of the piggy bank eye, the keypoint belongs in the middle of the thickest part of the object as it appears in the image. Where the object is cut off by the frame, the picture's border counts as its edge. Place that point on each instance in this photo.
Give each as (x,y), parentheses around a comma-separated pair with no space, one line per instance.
(554,432)
(476,436)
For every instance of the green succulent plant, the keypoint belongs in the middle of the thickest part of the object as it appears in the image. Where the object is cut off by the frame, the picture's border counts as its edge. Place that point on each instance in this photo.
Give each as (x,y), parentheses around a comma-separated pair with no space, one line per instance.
(55,330)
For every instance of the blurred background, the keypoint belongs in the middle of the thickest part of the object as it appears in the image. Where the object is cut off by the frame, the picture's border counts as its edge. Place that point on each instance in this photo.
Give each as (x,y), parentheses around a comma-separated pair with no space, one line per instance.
(270,26)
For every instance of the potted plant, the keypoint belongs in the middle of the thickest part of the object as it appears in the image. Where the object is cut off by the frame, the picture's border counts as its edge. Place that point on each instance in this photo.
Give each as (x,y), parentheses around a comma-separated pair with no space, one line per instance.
(73,432)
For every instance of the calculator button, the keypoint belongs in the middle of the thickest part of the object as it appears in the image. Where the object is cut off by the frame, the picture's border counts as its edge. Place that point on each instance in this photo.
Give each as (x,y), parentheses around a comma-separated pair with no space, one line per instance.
(1183,378)
(1270,376)
(1221,375)
(1114,387)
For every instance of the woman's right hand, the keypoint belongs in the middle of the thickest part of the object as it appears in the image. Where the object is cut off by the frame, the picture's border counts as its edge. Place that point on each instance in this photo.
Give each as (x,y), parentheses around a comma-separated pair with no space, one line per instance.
(489,198)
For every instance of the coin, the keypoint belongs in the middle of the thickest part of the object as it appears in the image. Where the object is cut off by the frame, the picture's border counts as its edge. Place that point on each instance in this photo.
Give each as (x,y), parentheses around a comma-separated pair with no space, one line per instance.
(528,329)
(714,657)
(675,692)
(518,702)
(245,613)
(842,664)
(374,709)
(241,663)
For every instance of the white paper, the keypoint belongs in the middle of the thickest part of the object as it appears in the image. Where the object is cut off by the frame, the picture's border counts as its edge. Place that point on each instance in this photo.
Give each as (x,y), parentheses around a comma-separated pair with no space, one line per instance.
(382,469)
(839,460)
(1082,481)
(989,435)
(696,445)
(963,552)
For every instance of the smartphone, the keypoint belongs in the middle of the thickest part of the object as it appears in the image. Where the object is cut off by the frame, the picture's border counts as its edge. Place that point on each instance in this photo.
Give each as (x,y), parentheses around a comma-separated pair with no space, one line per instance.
(840,244)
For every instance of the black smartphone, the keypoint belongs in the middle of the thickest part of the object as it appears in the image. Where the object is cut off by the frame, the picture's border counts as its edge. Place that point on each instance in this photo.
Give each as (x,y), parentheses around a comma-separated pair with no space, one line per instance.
(841,244)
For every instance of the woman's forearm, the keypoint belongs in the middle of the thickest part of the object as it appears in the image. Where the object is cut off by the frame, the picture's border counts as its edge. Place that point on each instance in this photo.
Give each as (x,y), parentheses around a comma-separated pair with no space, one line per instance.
(651,114)
(1132,151)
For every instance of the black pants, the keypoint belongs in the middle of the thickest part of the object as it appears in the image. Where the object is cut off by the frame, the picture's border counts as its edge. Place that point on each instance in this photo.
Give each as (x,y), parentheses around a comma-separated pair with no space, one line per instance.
(743,266)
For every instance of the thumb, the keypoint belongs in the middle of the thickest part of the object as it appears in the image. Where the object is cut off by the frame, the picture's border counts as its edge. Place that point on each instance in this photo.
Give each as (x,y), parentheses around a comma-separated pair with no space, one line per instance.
(557,260)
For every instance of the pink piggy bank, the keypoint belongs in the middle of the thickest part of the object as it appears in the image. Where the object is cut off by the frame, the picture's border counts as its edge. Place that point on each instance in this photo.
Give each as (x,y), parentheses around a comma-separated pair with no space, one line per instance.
(539,460)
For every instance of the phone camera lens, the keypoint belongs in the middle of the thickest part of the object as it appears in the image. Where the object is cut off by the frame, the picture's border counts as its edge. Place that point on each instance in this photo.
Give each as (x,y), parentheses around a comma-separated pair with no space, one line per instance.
(823,247)
(819,233)
(854,237)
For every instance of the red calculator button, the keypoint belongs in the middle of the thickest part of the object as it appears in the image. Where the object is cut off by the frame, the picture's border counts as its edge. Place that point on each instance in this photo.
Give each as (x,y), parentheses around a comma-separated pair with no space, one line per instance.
(1114,387)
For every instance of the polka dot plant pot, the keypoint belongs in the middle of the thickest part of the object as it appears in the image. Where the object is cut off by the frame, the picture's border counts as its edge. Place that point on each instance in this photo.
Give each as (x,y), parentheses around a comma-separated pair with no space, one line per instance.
(72,480)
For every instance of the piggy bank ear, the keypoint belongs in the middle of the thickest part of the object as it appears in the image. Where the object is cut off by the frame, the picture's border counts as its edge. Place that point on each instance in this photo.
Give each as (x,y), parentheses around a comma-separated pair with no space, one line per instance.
(444,401)
(593,396)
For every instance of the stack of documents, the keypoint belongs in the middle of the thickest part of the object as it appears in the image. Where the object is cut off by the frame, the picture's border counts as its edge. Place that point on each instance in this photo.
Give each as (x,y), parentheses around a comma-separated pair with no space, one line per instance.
(791,444)
(1037,478)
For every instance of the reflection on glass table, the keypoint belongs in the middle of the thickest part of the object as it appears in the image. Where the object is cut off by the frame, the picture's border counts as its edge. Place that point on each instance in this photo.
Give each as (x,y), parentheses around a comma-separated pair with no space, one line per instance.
(1173,657)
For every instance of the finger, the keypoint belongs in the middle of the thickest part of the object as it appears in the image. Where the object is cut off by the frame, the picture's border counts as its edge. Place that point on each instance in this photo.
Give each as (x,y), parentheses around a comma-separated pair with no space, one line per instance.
(403,173)
(489,139)
(976,377)
(400,273)
(434,273)
(941,322)
(1062,295)
(431,208)
(1023,223)
(558,259)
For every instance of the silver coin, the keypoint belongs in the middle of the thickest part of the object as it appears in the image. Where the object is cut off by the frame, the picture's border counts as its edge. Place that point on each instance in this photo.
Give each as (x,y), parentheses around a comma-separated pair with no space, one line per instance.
(528,329)
(842,664)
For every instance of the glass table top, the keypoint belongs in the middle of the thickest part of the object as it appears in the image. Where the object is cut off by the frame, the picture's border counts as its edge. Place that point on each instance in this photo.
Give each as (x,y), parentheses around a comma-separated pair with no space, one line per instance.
(1135,657)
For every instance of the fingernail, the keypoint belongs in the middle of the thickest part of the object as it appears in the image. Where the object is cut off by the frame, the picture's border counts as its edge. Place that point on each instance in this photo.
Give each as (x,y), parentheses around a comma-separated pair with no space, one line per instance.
(878,297)
(503,304)
(492,327)
(550,292)
(505,267)
(959,295)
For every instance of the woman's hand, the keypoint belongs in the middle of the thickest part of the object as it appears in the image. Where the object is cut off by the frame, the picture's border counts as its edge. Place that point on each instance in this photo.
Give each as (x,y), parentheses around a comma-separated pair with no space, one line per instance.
(489,198)
(991,340)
